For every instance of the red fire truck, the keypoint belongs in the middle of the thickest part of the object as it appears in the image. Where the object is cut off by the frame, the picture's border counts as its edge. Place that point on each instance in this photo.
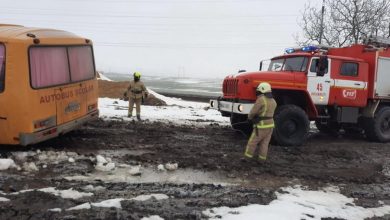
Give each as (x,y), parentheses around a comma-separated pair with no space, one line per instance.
(338,88)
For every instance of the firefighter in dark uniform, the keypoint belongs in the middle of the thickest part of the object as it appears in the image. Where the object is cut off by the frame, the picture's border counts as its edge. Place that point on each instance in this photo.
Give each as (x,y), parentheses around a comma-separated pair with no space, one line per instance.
(261,115)
(136,92)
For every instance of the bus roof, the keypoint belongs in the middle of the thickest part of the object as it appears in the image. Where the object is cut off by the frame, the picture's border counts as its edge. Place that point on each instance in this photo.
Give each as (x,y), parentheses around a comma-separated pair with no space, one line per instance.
(9,32)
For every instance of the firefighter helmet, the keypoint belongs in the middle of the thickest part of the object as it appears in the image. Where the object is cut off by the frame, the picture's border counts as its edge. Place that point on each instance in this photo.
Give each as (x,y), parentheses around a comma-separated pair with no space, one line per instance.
(264,87)
(137,75)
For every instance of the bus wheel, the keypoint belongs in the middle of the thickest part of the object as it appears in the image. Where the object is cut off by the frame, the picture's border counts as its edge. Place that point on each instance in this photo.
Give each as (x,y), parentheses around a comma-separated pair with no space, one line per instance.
(291,125)
(378,128)
(240,123)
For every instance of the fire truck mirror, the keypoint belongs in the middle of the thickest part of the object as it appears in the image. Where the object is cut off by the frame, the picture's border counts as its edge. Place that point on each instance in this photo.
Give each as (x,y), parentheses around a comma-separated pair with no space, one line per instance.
(322,66)
(261,65)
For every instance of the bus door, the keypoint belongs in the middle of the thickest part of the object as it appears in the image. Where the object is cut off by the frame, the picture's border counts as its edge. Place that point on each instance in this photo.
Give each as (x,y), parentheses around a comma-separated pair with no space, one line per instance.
(71,102)
(3,113)
(67,69)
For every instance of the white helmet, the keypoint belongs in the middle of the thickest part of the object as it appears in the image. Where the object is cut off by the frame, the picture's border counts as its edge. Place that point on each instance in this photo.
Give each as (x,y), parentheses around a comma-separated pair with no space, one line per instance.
(264,87)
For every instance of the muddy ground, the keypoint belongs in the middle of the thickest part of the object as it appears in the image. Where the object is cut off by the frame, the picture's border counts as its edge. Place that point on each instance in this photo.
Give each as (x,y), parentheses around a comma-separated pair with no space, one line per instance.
(360,168)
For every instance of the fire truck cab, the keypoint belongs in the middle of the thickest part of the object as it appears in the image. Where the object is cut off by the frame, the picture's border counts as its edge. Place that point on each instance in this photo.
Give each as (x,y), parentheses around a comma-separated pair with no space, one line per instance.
(338,88)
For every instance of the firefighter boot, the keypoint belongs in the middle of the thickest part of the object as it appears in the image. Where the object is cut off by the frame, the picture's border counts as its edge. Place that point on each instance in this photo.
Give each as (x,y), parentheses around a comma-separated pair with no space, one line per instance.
(139,117)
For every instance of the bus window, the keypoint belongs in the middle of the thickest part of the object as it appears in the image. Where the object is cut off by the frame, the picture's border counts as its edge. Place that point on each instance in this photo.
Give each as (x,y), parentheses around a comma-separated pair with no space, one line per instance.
(49,66)
(81,63)
(2,68)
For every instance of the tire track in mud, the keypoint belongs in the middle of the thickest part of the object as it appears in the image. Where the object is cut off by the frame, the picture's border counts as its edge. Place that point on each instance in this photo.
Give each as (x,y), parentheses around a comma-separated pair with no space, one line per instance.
(211,148)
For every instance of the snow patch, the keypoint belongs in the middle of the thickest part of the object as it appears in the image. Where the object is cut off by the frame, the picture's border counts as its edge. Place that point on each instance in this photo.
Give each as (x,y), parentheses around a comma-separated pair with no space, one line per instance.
(109,203)
(104,164)
(298,204)
(171,166)
(103,77)
(147,197)
(116,203)
(66,194)
(92,188)
(6,164)
(153,217)
(160,167)
(30,167)
(3,199)
(55,210)
(79,207)
(135,170)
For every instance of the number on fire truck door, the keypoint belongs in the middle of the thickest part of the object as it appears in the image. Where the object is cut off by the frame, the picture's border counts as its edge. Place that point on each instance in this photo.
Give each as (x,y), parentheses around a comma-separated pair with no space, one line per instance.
(319,86)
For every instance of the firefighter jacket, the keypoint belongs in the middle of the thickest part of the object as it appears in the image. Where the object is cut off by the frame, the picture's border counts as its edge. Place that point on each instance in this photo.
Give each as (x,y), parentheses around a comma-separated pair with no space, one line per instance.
(263,110)
(136,90)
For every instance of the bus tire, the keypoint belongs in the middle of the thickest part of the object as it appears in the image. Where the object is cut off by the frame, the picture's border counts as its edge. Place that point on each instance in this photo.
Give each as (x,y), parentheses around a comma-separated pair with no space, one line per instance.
(378,128)
(291,125)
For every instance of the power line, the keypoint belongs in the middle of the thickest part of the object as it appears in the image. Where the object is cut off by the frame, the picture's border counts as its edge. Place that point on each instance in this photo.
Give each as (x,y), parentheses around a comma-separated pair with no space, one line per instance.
(150,16)
(193,46)
(175,2)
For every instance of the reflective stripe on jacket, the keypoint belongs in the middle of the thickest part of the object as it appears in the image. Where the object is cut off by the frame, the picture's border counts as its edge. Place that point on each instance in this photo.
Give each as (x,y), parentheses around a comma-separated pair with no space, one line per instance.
(136,90)
(264,108)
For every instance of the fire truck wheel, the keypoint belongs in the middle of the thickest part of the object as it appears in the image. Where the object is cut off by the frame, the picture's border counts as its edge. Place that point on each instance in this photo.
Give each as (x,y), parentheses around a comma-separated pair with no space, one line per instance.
(239,122)
(378,128)
(291,125)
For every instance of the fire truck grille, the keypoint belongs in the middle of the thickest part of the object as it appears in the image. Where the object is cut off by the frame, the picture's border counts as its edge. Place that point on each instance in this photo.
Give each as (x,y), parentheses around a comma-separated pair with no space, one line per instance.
(230,87)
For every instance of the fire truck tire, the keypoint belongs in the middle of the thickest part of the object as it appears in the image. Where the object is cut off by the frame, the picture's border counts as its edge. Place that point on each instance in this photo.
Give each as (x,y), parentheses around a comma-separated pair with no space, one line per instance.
(291,125)
(378,128)
(239,122)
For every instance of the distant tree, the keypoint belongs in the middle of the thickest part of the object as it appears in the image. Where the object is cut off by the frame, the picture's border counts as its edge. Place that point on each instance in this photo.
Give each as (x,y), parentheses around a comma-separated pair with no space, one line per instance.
(345,22)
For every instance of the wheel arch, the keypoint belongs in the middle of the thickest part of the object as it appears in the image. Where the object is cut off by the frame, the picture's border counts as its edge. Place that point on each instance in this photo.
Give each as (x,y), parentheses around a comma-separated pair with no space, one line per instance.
(299,98)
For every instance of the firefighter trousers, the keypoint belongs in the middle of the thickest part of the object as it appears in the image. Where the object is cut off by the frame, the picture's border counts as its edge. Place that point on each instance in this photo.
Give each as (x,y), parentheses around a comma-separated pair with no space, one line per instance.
(137,103)
(260,138)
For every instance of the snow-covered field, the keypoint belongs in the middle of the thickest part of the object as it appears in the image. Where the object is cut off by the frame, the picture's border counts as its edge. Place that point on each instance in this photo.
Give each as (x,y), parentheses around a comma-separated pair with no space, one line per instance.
(177,111)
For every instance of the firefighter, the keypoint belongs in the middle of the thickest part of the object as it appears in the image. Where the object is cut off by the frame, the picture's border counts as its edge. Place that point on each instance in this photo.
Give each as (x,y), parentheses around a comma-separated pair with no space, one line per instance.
(136,92)
(261,115)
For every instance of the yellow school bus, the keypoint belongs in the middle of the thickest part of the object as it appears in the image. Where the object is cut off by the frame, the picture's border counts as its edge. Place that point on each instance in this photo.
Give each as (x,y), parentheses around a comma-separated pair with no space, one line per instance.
(48,84)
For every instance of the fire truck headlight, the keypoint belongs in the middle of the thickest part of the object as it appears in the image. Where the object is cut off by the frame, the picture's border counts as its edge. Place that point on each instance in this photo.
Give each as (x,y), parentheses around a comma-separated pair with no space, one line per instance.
(240,108)
(212,104)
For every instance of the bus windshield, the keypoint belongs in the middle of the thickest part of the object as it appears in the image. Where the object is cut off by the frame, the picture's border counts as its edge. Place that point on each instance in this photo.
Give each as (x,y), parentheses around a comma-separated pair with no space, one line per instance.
(60,65)
(296,64)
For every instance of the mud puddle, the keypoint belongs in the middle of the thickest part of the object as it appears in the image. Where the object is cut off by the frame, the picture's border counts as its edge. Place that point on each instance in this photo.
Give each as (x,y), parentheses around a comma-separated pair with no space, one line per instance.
(150,175)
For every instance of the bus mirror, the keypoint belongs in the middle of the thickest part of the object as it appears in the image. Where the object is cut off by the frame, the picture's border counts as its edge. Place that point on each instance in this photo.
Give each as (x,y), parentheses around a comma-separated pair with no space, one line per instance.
(322,67)
(261,65)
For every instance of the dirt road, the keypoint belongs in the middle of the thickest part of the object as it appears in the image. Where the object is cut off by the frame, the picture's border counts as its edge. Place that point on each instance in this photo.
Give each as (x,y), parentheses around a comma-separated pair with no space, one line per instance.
(211,171)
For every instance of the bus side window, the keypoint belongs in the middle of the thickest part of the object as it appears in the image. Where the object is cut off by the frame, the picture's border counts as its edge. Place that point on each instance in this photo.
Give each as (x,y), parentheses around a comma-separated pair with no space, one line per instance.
(2,68)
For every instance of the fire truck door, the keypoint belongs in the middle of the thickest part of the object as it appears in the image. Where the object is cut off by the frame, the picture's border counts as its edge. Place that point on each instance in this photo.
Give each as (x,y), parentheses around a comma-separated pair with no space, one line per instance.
(319,86)
(350,87)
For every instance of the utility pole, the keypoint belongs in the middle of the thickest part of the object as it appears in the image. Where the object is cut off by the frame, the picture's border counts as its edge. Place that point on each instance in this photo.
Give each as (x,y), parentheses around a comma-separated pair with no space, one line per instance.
(389,31)
(322,21)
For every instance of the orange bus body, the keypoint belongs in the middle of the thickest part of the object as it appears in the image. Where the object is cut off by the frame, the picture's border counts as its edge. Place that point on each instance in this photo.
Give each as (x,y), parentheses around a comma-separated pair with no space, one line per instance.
(35,105)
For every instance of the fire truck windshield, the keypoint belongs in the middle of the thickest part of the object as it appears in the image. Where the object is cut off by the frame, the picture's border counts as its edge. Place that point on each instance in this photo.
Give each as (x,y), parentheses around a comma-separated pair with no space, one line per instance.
(296,64)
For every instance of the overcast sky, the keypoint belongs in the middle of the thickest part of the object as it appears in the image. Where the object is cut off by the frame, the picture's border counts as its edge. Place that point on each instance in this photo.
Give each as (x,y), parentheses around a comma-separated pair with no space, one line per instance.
(186,38)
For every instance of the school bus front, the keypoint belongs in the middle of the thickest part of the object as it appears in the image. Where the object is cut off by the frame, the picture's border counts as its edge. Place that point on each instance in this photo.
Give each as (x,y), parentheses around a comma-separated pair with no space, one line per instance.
(49,84)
